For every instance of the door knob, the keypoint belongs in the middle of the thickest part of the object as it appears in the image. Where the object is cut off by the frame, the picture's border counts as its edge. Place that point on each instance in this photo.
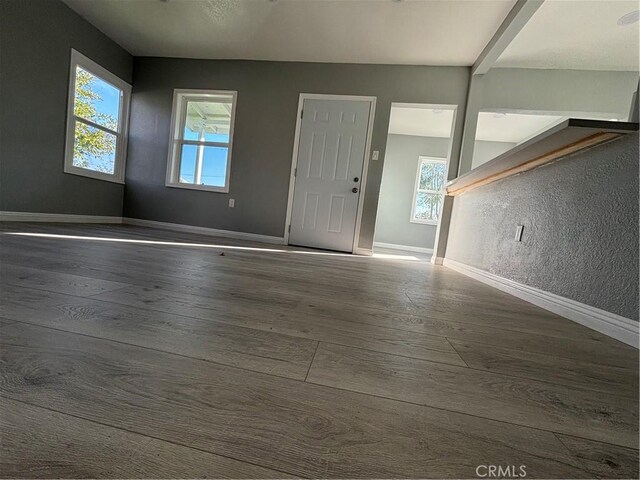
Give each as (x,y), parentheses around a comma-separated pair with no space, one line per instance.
(354,189)
(356,179)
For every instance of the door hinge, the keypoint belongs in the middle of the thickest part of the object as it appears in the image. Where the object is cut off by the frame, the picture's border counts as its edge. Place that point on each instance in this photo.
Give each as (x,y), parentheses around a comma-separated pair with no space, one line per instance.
(302,113)
(295,172)
(289,229)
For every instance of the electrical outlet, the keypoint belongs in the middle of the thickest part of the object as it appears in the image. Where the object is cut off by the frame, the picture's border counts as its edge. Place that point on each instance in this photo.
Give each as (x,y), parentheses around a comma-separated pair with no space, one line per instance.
(375,155)
(232,202)
(519,230)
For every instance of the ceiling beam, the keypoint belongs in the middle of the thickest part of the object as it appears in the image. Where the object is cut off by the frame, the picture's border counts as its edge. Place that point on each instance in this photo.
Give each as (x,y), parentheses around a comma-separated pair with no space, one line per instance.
(198,110)
(514,22)
(210,116)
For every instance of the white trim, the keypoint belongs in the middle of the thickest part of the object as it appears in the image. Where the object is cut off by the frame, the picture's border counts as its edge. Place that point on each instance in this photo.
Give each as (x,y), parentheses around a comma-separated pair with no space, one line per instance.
(367,252)
(437,260)
(406,248)
(426,106)
(416,189)
(122,135)
(365,171)
(443,213)
(70,218)
(177,227)
(365,164)
(294,163)
(178,114)
(611,324)
(56,217)
(512,25)
(424,222)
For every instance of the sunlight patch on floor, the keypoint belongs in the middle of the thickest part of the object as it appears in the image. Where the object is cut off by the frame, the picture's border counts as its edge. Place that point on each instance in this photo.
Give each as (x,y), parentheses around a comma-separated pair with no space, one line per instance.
(207,245)
(393,256)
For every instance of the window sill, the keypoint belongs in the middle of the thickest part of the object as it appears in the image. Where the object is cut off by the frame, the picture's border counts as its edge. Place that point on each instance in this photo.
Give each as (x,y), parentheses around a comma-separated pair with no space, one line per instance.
(81,172)
(203,188)
(424,222)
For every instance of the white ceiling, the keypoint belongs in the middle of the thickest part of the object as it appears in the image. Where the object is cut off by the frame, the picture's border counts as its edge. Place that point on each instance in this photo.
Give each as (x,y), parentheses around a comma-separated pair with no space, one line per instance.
(417,32)
(422,121)
(512,127)
(576,34)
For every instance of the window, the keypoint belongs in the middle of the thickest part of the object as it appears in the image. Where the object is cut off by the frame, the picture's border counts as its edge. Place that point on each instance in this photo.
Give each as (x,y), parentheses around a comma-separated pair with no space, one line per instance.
(201,139)
(429,191)
(97,116)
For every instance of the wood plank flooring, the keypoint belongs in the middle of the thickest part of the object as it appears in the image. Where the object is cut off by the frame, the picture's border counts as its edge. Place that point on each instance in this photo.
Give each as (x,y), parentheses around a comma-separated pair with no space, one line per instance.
(68,446)
(130,352)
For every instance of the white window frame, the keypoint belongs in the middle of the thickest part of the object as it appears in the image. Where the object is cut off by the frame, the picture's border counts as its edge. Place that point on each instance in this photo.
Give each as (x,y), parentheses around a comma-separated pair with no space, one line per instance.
(178,120)
(79,60)
(422,160)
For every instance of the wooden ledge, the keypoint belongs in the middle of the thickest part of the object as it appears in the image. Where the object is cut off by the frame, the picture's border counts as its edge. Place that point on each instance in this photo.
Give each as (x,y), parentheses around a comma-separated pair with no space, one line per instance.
(566,138)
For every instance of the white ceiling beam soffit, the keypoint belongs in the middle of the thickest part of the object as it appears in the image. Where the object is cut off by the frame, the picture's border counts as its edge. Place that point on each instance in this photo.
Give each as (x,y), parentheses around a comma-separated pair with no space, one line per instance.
(514,22)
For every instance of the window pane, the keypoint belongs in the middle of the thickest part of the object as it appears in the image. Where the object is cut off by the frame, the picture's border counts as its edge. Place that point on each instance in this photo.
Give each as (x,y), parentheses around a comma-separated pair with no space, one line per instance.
(428,206)
(208,120)
(432,176)
(188,163)
(204,165)
(94,149)
(214,166)
(96,100)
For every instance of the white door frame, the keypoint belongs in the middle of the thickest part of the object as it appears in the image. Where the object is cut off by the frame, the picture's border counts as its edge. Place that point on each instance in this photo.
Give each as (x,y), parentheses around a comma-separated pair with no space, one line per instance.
(365,164)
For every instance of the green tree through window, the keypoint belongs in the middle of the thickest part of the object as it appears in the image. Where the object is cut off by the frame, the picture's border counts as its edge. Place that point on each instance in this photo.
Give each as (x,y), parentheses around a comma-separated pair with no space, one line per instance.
(93,148)
(429,190)
(97,113)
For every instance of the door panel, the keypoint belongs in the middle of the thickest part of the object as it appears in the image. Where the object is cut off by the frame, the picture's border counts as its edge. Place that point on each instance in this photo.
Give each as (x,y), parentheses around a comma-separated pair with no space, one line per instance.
(310,214)
(336,213)
(331,150)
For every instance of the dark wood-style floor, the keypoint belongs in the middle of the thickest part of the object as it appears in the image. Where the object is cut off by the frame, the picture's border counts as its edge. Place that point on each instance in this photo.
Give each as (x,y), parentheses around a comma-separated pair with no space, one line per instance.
(132,352)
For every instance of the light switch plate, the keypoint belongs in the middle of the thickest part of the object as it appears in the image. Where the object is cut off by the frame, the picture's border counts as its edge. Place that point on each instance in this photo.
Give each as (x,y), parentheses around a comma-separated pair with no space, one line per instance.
(519,231)
(375,155)
(232,202)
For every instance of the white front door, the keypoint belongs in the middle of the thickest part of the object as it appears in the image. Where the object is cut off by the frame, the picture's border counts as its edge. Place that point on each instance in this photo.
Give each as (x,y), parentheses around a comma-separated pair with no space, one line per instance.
(331,149)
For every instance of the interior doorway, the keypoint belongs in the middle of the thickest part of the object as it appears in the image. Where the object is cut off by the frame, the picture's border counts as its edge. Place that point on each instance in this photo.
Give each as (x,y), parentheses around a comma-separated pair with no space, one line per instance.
(414,177)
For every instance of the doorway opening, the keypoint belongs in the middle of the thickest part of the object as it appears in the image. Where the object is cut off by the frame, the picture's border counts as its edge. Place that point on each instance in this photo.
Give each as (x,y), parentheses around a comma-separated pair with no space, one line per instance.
(413,178)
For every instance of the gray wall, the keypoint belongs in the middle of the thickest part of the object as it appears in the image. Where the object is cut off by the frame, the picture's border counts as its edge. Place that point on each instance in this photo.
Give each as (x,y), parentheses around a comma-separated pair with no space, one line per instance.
(575,93)
(264,133)
(396,193)
(36,38)
(581,227)
(484,151)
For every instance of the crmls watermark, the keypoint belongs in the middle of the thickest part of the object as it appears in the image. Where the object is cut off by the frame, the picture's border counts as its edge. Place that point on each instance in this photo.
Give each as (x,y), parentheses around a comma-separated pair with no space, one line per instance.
(501,471)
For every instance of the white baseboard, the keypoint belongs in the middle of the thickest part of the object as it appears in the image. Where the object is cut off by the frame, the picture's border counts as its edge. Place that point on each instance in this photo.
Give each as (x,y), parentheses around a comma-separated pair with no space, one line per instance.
(56,217)
(367,252)
(437,260)
(177,227)
(70,218)
(615,326)
(406,248)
